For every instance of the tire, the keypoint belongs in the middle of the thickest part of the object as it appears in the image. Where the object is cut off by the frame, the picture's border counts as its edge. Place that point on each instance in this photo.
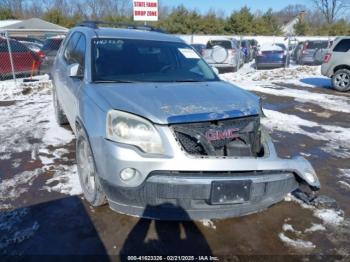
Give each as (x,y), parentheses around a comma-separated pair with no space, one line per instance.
(341,80)
(89,181)
(59,114)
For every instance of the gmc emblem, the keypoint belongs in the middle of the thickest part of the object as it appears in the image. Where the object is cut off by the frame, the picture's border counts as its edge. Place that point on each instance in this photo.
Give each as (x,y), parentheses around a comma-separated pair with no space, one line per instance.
(214,135)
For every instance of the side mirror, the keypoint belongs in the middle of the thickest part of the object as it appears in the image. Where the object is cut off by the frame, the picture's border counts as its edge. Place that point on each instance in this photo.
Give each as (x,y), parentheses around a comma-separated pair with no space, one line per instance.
(216,71)
(73,70)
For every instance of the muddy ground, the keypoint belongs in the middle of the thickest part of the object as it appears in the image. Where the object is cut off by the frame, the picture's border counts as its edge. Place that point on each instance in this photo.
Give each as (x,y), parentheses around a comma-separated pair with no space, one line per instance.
(43,213)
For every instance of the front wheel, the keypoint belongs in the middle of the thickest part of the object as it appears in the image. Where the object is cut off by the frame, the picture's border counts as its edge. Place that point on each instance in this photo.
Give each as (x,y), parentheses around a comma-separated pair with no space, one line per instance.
(88,178)
(341,80)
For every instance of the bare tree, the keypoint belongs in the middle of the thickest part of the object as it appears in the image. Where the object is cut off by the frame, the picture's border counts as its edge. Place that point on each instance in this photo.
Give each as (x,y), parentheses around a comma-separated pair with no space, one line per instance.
(16,6)
(289,12)
(330,9)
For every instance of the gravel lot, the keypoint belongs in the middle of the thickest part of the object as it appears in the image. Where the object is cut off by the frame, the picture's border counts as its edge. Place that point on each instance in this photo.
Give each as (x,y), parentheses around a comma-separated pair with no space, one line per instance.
(42,211)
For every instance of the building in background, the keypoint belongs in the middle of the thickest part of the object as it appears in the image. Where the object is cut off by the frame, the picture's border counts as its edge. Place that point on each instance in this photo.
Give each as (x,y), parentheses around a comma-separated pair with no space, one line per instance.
(33,27)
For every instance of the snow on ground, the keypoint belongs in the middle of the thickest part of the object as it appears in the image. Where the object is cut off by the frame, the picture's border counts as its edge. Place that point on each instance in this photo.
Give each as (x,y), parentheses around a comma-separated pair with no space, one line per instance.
(289,227)
(13,188)
(314,228)
(329,216)
(208,223)
(29,125)
(296,243)
(335,136)
(345,173)
(268,82)
(16,90)
(65,181)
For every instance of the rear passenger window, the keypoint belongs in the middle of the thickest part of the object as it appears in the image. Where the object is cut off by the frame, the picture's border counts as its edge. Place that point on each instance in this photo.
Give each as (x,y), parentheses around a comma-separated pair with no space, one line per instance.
(342,46)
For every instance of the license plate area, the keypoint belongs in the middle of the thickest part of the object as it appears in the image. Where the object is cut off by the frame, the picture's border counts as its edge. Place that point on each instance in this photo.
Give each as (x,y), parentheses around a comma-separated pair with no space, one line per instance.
(230,192)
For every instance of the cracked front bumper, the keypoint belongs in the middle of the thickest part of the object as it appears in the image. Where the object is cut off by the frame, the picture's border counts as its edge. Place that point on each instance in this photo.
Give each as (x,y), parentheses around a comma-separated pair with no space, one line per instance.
(178,186)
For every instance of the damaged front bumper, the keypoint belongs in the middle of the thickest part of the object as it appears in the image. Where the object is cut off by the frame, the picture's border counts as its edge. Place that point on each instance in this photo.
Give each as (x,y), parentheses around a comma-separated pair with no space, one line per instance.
(180,186)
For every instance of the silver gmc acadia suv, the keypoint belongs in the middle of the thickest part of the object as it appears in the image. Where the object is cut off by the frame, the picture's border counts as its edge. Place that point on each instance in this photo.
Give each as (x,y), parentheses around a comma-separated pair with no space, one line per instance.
(159,135)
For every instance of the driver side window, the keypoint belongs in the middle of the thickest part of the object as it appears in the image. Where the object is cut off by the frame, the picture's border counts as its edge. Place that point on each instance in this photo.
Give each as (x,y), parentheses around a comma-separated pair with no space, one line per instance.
(68,52)
(75,51)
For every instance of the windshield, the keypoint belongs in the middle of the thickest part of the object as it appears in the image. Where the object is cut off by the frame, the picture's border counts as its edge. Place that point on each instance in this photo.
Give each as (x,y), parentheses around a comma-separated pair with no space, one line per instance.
(317,45)
(129,60)
(223,43)
(283,46)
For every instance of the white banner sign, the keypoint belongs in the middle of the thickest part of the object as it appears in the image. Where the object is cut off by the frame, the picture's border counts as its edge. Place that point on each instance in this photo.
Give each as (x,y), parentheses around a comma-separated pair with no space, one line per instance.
(146,10)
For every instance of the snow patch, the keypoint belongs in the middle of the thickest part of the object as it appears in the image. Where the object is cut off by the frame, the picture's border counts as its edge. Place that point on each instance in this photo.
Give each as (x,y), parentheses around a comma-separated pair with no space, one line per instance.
(314,228)
(330,216)
(297,243)
(268,82)
(344,185)
(289,227)
(12,188)
(345,173)
(208,223)
(54,134)
(333,135)
(65,181)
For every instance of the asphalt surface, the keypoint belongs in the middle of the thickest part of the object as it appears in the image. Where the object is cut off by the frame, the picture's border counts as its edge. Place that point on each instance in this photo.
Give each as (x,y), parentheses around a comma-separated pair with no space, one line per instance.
(38,216)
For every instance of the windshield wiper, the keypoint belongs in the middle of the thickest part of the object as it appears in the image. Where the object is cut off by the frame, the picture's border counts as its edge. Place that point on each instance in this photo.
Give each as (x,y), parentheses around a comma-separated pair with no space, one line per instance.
(113,81)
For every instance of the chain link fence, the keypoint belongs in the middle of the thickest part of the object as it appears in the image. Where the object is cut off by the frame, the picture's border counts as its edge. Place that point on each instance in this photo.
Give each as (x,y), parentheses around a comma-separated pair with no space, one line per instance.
(26,56)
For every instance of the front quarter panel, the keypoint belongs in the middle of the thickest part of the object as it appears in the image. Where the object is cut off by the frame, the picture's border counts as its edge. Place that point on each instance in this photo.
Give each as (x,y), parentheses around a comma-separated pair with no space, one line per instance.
(92,117)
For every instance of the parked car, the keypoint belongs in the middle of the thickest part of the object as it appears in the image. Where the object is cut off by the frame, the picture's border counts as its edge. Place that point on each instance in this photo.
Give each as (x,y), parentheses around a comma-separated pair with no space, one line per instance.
(48,53)
(224,54)
(254,44)
(297,52)
(310,50)
(272,56)
(32,46)
(336,64)
(29,39)
(247,50)
(25,61)
(157,130)
(199,48)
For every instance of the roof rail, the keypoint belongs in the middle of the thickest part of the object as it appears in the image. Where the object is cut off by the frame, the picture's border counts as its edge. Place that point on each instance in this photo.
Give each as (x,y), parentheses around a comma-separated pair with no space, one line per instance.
(95,25)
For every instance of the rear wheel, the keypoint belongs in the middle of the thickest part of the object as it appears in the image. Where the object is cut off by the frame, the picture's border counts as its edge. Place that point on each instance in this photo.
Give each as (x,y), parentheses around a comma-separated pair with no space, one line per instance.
(341,80)
(88,178)
(59,114)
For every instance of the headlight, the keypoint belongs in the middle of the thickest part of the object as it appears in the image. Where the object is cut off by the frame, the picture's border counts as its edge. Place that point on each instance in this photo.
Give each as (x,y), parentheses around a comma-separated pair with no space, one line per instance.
(133,130)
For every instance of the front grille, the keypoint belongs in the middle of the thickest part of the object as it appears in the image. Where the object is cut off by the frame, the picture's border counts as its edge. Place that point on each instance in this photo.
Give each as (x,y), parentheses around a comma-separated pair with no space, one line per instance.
(232,138)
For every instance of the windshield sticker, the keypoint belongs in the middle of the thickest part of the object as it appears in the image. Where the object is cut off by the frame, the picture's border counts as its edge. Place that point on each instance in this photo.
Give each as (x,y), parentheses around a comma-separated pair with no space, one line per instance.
(188,53)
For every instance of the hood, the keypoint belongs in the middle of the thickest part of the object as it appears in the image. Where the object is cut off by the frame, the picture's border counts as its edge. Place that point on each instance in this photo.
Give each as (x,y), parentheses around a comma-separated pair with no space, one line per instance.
(170,103)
